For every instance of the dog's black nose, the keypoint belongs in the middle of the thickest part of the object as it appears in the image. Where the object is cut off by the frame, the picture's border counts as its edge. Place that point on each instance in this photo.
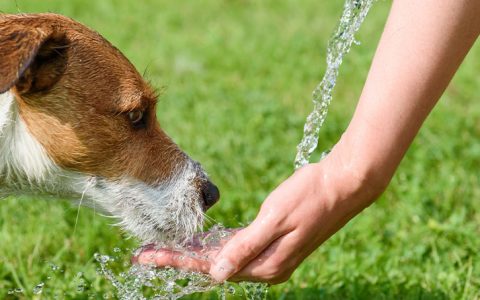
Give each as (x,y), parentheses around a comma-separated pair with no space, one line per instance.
(210,193)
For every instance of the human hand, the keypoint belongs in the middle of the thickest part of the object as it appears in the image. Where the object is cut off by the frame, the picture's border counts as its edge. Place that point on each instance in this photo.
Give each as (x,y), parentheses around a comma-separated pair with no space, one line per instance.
(422,46)
(303,212)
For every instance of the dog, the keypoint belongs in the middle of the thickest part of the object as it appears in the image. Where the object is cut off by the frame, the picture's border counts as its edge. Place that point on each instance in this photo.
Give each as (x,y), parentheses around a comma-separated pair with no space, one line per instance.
(77,121)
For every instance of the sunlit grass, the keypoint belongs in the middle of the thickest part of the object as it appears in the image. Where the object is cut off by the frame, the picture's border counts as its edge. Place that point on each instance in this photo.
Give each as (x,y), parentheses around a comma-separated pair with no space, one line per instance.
(237,77)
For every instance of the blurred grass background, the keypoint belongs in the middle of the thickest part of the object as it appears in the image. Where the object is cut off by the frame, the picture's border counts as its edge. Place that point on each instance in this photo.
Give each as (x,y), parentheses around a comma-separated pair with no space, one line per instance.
(237,77)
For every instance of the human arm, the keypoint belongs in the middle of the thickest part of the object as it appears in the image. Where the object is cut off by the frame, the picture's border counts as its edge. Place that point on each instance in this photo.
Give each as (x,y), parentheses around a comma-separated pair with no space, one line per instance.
(422,46)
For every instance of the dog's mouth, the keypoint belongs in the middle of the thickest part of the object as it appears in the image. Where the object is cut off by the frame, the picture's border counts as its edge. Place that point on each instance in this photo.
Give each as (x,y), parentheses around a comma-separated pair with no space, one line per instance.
(169,211)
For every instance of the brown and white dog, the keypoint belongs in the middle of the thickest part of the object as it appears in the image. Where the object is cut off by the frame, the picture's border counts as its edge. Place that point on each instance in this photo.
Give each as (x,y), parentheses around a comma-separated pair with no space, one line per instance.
(78,121)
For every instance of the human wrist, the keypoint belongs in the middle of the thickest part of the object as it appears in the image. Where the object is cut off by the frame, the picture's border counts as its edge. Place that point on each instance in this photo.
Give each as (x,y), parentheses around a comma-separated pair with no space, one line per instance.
(355,181)
(364,156)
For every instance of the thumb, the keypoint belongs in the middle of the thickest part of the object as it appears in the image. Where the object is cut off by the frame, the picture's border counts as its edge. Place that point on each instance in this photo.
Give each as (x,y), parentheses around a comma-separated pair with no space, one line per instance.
(243,247)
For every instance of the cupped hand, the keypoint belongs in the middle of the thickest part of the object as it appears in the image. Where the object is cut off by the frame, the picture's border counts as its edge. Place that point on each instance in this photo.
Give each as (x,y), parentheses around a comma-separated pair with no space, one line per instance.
(298,216)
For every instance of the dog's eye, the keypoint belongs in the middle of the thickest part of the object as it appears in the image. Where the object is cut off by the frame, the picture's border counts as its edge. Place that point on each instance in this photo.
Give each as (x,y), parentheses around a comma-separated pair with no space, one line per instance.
(137,118)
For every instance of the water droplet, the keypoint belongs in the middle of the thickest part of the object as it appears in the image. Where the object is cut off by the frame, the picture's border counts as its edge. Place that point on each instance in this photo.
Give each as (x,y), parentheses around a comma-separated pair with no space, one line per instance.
(15,291)
(103,259)
(54,267)
(38,289)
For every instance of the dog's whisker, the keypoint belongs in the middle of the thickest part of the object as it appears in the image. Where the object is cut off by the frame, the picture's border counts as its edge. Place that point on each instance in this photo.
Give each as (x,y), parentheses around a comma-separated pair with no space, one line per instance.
(209,218)
(108,216)
(89,183)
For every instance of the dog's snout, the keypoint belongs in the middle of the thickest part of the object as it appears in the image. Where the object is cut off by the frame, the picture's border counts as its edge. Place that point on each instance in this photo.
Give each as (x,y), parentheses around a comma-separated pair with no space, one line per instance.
(210,194)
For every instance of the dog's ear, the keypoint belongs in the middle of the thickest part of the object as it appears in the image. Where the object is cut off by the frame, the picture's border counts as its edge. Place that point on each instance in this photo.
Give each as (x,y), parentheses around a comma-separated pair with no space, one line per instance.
(31,59)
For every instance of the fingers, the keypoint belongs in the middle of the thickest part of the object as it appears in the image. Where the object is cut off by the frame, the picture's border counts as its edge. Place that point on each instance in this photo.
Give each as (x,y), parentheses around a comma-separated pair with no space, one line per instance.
(196,256)
(195,260)
(242,248)
(276,263)
(260,238)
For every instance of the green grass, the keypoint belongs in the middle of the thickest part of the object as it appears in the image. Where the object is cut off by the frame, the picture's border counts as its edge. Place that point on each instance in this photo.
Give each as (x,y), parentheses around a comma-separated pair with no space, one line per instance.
(237,77)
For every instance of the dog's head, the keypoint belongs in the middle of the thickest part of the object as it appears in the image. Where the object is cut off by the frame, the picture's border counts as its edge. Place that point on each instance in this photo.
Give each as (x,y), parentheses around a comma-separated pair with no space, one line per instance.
(89,120)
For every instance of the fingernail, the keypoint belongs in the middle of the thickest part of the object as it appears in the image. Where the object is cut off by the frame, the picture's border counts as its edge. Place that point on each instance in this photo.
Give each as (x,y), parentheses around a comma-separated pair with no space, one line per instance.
(134,260)
(222,270)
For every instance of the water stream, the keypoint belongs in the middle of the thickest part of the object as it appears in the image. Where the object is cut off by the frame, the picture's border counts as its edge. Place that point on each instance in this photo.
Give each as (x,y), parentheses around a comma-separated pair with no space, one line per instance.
(354,13)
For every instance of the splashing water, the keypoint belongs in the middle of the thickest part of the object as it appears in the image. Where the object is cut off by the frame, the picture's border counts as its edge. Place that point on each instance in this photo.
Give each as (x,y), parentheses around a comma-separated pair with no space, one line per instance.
(38,289)
(147,282)
(15,291)
(354,13)
(164,283)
